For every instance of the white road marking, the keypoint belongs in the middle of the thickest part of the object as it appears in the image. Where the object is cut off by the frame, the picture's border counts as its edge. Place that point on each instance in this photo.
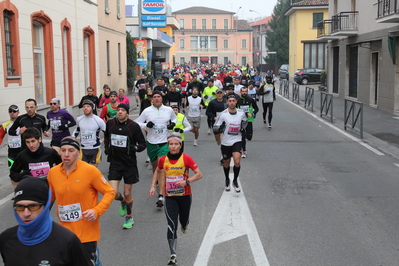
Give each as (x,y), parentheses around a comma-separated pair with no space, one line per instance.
(336,128)
(397,164)
(232,219)
(6,199)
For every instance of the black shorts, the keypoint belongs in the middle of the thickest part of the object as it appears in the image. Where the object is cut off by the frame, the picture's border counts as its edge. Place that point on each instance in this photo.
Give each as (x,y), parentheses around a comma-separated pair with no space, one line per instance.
(92,156)
(227,151)
(91,248)
(130,174)
(56,143)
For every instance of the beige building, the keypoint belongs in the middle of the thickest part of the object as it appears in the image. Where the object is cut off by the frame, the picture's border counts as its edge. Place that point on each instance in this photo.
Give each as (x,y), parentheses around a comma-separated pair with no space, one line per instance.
(112,44)
(48,50)
(259,41)
(214,36)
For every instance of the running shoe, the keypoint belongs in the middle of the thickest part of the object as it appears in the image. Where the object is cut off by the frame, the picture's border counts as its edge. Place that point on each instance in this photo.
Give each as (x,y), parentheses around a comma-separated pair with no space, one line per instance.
(172,260)
(128,222)
(195,142)
(209,131)
(244,154)
(147,160)
(160,201)
(227,187)
(236,186)
(97,261)
(184,229)
(264,122)
(269,126)
(123,209)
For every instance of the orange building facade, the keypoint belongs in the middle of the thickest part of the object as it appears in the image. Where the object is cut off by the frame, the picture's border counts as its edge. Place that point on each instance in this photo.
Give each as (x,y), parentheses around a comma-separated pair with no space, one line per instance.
(212,36)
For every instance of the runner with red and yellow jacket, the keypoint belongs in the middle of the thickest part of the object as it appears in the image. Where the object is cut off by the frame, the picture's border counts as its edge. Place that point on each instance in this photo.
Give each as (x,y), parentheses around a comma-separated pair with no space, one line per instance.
(174,168)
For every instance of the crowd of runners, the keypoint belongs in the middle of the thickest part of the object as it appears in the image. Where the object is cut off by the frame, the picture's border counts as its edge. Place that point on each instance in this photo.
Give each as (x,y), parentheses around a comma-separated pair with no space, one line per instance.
(171,107)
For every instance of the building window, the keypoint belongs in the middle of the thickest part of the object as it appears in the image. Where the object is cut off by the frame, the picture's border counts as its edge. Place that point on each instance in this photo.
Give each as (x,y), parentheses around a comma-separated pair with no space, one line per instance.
(213,42)
(181,43)
(89,54)
(226,24)
(214,23)
(181,23)
(203,41)
(194,42)
(244,43)
(225,60)
(108,61)
(317,17)
(244,60)
(67,61)
(257,41)
(10,43)
(315,55)
(43,57)
(118,9)
(107,11)
(194,59)
(182,60)
(38,62)
(119,59)
(194,24)
(203,24)
(225,44)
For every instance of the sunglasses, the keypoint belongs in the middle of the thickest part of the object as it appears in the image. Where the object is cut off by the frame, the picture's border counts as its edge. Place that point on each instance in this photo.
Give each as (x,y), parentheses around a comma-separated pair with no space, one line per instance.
(31,207)
(12,111)
(53,103)
(29,107)
(149,95)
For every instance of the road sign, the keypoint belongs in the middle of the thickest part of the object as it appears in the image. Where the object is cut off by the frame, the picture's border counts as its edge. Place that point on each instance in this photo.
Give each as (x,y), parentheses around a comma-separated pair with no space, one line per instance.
(153,24)
(153,17)
(152,7)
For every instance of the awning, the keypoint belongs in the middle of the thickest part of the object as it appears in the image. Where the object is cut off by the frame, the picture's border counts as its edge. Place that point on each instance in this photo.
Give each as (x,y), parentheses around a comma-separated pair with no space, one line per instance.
(204,58)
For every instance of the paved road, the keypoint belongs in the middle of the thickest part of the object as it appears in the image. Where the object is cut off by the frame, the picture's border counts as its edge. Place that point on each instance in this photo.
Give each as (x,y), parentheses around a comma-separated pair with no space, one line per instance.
(312,195)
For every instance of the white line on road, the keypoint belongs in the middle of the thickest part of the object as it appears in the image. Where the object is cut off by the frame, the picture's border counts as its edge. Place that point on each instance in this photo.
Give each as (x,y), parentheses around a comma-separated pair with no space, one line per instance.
(336,128)
(6,199)
(229,223)
(397,164)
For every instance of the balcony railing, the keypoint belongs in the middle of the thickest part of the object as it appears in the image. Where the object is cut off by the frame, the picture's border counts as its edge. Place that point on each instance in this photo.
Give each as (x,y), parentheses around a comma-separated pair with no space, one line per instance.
(344,23)
(324,30)
(203,50)
(388,11)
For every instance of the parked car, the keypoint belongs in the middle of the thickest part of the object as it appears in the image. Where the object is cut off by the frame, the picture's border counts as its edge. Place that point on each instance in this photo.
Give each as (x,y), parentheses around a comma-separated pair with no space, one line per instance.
(283,72)
(306,75)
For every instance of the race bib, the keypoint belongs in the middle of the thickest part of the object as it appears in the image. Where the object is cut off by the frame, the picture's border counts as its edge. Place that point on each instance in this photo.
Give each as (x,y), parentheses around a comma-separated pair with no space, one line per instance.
(159,129)
(245,108)
(119,140)
(70,213)
(172,103)
(233,129)
(171,188)
(39,170)
(54,124)
(142,86)
(14,142)
(87,136)
(244,81)
(257,82)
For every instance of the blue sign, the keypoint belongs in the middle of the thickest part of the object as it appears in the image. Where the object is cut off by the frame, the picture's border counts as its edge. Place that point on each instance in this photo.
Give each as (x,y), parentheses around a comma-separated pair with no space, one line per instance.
(153,7)
(153,17)
(153,24)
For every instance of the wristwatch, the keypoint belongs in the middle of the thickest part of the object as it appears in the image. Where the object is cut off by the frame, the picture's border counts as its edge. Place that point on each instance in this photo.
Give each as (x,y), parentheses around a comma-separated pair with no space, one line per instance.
(187,182)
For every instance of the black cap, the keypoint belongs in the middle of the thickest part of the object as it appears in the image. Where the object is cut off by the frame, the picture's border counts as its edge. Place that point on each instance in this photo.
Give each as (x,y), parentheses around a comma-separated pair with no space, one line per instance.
(124,106)
(32,188)
(113,93)
(156,92)
(13,107)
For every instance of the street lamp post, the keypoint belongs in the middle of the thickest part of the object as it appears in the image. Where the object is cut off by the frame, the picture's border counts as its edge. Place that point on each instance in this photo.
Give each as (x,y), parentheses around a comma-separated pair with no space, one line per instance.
(236,59)
(260,59)
(275,59)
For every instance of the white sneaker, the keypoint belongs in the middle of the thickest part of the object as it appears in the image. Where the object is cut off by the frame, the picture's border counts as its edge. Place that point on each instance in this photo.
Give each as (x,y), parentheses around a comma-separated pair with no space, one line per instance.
(195,142)
(209,131)
(244,154)
(269,126)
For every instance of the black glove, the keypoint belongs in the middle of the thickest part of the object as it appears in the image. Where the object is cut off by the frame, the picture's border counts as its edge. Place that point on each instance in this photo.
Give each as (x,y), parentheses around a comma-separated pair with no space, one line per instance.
(106,151)
(171,125)
(213,93)
(179,130)
(150,124)
(242,127)
(206,97)
(62,127)
(135,148)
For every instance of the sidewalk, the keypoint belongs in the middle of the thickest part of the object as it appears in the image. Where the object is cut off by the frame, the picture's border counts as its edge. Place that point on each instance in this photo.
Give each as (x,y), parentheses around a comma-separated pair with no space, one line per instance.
(379,127)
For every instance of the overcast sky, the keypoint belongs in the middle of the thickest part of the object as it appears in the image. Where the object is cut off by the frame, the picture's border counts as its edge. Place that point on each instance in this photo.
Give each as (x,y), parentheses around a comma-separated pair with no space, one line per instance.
(264,7)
